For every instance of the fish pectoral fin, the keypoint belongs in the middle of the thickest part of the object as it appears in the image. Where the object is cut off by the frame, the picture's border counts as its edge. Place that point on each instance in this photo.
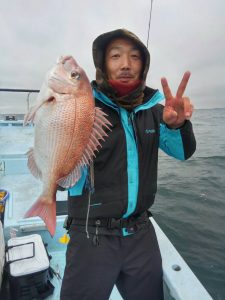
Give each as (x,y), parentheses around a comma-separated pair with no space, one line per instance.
(71,179)
(46,94)
(46,210)
(31,163)
(29,117)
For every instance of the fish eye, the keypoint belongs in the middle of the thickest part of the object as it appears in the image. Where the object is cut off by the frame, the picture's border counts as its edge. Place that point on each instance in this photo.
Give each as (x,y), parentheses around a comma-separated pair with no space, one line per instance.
(75,75)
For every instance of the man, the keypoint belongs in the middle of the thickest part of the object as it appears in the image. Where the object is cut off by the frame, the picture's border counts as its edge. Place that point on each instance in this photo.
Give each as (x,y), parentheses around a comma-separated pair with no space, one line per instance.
(112,240)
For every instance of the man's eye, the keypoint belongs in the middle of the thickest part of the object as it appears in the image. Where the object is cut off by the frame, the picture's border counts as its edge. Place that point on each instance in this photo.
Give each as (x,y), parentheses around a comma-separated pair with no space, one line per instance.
(135,56)
(115,55)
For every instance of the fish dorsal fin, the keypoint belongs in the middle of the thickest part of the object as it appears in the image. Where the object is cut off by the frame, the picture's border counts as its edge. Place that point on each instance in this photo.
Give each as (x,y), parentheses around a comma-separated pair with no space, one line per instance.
(35,171)
(98,133)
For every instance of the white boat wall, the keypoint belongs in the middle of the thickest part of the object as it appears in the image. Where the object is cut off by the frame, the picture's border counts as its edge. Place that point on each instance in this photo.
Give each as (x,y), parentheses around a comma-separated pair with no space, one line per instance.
(2,252)
(180,282)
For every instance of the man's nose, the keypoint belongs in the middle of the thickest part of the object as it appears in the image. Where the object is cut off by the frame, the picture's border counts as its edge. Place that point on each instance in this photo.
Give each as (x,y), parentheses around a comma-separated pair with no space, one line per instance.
(125,64)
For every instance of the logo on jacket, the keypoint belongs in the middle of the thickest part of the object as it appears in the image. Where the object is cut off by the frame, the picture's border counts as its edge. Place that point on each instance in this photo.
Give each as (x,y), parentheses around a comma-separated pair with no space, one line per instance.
(149,131)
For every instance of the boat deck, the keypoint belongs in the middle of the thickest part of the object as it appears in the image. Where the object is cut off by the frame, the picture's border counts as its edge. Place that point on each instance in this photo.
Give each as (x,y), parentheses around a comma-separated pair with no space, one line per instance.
(179,280)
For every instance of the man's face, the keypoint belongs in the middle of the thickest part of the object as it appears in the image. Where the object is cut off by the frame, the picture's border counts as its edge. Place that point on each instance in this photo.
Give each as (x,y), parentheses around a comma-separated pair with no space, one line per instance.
(123,61)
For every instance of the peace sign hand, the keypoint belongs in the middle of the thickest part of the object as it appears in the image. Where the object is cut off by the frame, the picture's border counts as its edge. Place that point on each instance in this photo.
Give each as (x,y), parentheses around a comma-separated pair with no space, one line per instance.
(177,109)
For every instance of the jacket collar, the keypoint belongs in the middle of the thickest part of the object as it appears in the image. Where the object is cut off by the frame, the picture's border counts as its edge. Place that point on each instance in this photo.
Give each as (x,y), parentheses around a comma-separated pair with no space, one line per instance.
(151,98)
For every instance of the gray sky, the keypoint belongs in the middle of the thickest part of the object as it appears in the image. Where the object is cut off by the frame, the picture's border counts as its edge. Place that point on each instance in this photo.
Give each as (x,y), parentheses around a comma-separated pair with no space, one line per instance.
(185,35)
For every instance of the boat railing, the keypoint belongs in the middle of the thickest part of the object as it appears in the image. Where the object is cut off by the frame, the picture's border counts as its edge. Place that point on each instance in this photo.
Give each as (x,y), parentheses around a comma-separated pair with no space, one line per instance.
(29,92)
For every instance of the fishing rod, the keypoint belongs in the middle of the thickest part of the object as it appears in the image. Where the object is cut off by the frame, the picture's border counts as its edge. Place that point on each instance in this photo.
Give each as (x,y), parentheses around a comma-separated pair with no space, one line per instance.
(149,22)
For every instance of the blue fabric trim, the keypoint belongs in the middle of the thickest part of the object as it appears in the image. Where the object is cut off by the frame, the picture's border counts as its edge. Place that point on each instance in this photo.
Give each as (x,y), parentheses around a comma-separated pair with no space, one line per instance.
(77,189)
(125,232)
(100,96)
(132,163)
(171,142)
(95,204)
(156,98)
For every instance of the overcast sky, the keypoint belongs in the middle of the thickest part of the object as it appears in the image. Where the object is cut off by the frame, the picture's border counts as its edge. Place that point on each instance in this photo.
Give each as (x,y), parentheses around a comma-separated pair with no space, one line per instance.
(184,35)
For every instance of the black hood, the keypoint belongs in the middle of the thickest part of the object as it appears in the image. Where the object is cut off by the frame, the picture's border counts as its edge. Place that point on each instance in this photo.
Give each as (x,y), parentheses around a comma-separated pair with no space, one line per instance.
(98,50)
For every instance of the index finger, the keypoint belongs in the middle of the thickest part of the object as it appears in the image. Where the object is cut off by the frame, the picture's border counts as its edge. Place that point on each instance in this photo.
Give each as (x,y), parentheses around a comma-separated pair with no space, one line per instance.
(183,84)
(166,89)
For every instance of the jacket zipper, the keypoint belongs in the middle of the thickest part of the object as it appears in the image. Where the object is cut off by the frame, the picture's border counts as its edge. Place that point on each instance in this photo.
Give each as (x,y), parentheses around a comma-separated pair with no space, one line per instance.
(132,123)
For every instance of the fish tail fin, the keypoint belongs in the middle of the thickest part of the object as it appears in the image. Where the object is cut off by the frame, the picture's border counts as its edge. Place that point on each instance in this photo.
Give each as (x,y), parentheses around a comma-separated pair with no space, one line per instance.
(44,208)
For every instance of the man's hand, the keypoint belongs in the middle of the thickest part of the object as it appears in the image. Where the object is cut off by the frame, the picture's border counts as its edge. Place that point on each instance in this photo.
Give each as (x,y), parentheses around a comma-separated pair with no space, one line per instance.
(177,109)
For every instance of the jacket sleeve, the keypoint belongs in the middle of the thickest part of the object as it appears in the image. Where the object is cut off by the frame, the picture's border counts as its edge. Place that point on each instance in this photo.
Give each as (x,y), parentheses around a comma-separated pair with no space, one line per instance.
(179,143)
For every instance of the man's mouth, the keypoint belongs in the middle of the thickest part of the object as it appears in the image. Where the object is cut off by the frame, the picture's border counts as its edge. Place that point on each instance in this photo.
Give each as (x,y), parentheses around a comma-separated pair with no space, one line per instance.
(125,77)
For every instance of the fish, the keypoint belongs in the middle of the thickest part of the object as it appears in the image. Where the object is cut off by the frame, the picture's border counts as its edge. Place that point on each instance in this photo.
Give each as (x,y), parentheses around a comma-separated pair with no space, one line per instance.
(68,130)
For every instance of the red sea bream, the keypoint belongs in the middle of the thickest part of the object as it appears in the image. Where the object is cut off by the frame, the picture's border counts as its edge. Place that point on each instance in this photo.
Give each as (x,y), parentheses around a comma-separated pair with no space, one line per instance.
(68,129)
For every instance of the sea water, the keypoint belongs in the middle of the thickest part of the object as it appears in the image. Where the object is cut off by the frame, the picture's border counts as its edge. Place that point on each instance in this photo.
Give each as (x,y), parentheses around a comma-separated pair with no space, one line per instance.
(190,202)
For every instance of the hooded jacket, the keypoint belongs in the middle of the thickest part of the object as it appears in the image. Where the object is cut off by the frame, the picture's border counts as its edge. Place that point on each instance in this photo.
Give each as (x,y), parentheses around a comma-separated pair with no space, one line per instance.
(125,168)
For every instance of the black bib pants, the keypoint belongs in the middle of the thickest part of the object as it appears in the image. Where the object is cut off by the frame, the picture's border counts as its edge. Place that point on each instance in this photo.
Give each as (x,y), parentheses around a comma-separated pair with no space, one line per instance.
(132,263)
